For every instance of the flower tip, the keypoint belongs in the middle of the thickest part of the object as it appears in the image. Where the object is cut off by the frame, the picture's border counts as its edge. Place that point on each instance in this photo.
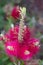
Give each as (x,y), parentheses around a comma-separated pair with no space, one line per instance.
(12,26)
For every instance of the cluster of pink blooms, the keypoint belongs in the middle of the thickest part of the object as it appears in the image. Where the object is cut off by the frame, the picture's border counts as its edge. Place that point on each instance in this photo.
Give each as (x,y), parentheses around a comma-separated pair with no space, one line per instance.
(25,50)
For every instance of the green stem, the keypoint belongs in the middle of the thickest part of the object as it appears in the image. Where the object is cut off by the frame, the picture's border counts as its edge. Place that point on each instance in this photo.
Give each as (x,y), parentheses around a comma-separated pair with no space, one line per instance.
(19,63)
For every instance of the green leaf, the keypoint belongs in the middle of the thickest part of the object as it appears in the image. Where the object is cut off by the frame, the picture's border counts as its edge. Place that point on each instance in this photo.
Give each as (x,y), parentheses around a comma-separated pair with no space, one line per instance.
(2,2)
(41,62)
(1,45)
(38,34)
(30,24)
(1,11)
(22,63)
(9,64)
(8,25)
(42,40)
(2,22)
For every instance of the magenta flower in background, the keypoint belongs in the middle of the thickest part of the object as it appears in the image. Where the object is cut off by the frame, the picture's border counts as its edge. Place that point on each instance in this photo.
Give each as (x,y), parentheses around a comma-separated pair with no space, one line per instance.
(15,12)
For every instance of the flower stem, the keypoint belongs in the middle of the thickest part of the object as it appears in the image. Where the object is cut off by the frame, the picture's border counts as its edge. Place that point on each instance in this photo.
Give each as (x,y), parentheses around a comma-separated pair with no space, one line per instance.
(21,30)
(19,63)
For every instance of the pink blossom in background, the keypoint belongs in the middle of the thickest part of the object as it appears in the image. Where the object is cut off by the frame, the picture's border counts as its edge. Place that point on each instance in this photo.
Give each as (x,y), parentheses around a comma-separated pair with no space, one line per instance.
(15,12)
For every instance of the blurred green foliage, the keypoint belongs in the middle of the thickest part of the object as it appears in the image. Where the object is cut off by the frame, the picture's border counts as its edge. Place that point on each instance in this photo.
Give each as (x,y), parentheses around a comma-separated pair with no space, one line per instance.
(4,60)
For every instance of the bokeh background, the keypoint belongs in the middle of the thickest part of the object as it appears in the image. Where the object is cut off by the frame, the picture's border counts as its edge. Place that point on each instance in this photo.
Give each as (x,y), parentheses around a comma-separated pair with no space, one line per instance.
(34,20)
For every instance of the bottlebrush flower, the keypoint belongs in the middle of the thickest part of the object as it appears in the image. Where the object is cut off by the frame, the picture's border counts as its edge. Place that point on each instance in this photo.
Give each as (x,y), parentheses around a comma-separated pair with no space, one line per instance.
(12,48)
(28,47)
(15,12)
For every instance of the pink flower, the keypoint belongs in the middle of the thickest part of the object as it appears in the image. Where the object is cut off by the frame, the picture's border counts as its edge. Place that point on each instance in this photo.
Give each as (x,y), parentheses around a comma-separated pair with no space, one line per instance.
(12,48)
(27,33)
(1,38)
(34,45)
(12,34)
(15,12)
(25,53)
